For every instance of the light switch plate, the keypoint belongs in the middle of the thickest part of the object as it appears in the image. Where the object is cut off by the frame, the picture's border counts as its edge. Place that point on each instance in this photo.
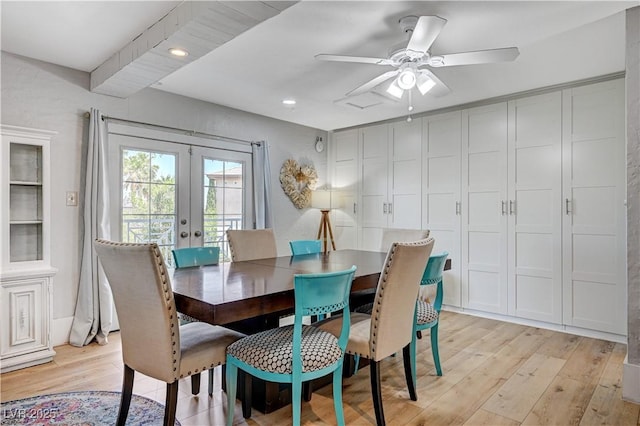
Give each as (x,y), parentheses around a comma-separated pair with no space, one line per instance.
(72,198)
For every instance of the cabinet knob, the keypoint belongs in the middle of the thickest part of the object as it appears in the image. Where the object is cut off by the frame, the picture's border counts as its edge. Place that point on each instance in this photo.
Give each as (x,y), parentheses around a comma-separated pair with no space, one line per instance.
(197,234)
(184,234)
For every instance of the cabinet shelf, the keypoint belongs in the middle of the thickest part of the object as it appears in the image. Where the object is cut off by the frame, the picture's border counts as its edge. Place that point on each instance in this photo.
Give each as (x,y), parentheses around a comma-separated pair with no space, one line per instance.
(25,183)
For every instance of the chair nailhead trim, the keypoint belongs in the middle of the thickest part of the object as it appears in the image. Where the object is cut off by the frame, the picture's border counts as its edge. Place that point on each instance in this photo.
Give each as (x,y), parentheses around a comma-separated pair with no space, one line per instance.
(162,273)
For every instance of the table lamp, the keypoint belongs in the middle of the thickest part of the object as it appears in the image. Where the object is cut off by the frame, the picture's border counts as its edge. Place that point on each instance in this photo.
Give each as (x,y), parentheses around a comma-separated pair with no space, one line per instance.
(321,199)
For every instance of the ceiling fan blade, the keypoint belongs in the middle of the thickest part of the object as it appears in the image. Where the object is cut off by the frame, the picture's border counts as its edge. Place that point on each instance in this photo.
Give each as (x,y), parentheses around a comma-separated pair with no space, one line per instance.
(373,83)
(425,33)
(477,57)
(440,89)
(357,59)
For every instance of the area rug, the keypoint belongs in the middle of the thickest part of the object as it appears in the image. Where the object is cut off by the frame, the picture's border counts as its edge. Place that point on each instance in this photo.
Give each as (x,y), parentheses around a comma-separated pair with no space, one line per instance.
(91,408)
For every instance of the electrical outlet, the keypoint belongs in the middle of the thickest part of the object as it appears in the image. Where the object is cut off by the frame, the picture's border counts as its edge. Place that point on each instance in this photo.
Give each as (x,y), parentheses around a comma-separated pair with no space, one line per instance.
(72,198)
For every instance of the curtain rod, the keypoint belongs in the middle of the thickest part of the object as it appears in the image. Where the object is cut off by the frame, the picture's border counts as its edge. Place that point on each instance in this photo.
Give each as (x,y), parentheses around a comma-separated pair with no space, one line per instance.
(177,130)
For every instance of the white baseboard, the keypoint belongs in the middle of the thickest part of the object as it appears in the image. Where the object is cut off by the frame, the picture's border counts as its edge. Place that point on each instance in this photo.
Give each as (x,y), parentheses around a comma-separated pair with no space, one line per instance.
(630,381)
(611,337)
(60,330)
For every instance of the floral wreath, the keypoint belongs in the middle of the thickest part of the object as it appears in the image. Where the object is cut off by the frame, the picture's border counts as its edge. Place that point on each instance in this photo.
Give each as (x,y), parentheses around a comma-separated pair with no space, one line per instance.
(298,182)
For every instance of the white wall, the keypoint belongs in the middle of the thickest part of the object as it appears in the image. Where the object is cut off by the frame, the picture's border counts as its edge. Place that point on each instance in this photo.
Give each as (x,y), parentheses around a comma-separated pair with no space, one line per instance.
(45,96)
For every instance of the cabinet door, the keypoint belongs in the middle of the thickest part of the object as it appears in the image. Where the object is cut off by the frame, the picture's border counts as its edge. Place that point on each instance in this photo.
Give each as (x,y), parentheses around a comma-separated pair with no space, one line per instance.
(594,236)
(24,317)
(441,140)
(344,149)
(375,157)
(484,226)
(535,228)
(405,183)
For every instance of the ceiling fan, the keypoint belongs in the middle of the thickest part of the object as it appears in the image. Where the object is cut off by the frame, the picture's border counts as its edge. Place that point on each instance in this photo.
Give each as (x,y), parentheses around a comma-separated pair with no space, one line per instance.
(408,60)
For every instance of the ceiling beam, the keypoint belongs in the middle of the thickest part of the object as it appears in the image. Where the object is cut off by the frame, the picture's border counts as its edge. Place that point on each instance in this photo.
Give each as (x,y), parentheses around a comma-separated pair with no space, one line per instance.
(195,26)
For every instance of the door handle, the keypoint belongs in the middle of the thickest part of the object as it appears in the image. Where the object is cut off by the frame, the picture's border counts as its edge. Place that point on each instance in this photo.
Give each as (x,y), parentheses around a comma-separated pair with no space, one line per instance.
(512,207)
(197,234)
(184,234)
(567,206)
(354,208)
(458,208)
(390,210)
(384,208)
(504,207)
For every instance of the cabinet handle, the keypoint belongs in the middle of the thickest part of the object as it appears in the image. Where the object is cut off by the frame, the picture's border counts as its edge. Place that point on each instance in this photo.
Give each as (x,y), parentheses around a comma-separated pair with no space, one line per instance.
(23,317)
(512,205)
(354,208)
(504,207)
(390,209)
(384,208)
(458,208)
(567,206)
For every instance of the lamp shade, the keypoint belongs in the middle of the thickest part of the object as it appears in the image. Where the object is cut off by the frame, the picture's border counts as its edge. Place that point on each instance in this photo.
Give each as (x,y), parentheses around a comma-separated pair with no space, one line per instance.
(321,199)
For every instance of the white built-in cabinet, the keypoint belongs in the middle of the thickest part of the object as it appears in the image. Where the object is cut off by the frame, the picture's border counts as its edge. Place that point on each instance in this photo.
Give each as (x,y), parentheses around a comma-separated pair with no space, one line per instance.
(441,206)
(390,180)
(594,211)
(526,195)
(345,181)
(484,208)
(25,270)
(534,208)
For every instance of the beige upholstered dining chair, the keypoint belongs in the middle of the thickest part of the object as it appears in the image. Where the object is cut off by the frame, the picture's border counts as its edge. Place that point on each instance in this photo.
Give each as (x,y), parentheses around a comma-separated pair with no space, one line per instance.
(390,326)
(153,343)
(249,244)
(397,235)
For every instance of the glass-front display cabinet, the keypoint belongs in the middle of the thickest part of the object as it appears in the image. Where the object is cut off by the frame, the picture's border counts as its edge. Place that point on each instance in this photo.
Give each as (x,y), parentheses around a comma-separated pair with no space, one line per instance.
(26,274)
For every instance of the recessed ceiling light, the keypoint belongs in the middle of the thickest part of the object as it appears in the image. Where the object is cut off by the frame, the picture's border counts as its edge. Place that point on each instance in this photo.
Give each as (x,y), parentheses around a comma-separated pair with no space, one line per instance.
(289,102)
(175,51)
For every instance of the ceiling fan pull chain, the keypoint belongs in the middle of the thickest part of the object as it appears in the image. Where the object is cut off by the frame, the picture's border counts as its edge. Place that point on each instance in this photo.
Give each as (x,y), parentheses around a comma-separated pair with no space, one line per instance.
(410,106)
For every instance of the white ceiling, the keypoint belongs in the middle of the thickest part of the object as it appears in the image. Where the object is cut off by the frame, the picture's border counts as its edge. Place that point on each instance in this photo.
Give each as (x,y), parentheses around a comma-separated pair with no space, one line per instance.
(559,42)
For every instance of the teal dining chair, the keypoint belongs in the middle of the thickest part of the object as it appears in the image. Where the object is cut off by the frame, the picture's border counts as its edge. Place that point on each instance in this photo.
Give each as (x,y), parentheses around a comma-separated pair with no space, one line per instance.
(196,256)
(299,247)
(185,258)
(296,353)
(428,314)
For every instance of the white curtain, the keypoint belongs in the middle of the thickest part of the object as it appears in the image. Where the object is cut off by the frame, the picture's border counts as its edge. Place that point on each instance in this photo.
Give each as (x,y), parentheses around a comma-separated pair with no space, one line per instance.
(263,211)
(94,307)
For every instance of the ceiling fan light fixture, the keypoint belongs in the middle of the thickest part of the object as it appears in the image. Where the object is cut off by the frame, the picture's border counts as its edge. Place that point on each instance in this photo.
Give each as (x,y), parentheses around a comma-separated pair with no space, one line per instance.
(407,79)
(395,90)
(424,83)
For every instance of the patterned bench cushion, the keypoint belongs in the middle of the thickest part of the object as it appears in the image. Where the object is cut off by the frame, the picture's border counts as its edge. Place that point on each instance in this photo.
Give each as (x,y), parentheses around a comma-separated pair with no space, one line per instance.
(426,313)
(271,350)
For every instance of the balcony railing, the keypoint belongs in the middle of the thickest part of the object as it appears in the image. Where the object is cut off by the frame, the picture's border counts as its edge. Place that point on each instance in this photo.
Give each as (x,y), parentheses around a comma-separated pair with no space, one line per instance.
(162,231)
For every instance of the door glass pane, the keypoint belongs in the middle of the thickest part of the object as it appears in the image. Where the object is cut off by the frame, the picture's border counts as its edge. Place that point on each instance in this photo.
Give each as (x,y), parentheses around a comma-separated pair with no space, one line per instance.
(223,205)
(149,199)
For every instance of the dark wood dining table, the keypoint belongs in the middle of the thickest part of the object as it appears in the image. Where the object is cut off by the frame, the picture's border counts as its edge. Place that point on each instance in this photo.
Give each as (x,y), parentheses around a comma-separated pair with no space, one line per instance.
(236,291)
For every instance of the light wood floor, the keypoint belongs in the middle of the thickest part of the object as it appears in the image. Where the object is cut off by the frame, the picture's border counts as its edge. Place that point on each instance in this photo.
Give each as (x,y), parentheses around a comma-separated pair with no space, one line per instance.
(494,373)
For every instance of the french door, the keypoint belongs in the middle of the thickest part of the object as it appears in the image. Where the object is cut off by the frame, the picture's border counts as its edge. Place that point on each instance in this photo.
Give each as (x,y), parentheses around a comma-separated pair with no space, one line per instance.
(177,194)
